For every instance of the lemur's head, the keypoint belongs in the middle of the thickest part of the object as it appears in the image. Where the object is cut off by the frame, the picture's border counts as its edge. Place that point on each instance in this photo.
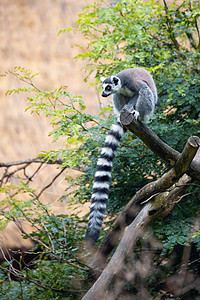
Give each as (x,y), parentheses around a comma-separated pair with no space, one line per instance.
(111,85)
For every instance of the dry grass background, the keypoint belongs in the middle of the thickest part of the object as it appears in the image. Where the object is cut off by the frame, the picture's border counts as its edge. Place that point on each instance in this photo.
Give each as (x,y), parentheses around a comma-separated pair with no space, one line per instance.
(28,38)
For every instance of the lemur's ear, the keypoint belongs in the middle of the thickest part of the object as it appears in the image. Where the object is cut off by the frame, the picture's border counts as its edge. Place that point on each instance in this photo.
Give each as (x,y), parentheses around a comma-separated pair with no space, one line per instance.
(102,78)
(115,80)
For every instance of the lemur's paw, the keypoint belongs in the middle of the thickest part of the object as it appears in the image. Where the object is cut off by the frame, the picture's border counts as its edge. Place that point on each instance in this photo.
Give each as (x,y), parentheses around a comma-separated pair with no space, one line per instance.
(135,113)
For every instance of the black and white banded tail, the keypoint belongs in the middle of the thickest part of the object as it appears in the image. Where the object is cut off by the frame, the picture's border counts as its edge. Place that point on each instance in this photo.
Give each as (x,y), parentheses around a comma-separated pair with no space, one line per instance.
(102,182)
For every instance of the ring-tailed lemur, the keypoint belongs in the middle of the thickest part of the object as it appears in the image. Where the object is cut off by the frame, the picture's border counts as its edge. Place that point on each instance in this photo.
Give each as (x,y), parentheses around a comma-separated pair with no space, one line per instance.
(134,90)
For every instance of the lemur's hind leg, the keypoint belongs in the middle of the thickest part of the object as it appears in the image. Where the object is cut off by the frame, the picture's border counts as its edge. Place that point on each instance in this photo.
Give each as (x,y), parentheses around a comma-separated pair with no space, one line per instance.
(145,103)
(130,106)
(141,108)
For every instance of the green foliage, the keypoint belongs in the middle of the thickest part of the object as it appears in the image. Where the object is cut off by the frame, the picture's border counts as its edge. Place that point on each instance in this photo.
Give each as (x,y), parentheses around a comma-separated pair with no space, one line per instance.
(57,270)
(65,112)
(179,227)
(166,41)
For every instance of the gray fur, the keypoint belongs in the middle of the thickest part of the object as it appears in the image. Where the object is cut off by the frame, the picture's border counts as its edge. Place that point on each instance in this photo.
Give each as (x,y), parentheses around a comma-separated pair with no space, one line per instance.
(134,90)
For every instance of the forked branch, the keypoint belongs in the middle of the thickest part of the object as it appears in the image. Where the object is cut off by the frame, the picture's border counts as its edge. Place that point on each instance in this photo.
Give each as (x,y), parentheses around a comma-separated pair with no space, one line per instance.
(181,162)
(160,205)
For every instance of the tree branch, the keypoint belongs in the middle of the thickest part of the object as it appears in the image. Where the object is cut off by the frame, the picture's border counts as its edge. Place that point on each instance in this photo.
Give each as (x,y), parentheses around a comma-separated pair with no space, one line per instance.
(170,27)
(161,205)
(150,190)
(40,159)
(32,160)
(24,164)
(156,145)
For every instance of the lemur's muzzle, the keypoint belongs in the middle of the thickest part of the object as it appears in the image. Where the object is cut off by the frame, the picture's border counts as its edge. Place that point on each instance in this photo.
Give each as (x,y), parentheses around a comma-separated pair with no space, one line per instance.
(104,94)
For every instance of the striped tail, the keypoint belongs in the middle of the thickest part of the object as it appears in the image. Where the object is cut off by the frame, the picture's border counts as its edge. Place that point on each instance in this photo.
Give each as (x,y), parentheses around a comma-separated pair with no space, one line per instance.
(102,182)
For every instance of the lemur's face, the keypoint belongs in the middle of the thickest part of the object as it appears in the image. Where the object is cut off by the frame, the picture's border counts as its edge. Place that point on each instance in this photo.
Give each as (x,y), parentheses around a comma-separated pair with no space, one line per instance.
(111,85)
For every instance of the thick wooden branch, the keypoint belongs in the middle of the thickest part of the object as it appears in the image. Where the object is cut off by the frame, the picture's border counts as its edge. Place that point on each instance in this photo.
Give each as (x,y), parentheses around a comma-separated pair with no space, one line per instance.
(156,144)
(98,290)
(160,205)
(147,192)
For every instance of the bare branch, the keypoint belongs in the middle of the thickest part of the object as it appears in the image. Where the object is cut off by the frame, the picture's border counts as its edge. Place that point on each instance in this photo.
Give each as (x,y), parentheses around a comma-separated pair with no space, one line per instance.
(23,165)
(156,145)
(49,184)
(170,28)
(161,205)
(127,243)
(151,189)
(40,159)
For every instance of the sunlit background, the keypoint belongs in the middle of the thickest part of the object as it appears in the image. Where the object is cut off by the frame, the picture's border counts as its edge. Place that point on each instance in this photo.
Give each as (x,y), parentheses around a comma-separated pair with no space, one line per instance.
(29,38)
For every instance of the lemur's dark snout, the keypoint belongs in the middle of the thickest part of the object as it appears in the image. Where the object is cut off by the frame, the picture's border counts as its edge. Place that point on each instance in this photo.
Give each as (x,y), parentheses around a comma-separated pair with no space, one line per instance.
(104,94)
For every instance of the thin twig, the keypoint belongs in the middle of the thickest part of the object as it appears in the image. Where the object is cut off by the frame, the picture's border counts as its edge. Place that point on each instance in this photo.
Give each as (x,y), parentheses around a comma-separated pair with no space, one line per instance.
(52,181)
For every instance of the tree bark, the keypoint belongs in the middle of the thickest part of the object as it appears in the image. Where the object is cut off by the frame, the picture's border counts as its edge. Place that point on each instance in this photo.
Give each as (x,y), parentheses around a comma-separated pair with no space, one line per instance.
(156,144)
(144,194)
(160,205)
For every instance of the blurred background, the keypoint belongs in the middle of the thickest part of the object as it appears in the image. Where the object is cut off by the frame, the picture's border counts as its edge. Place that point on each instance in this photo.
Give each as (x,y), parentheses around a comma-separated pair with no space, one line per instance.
(28,38)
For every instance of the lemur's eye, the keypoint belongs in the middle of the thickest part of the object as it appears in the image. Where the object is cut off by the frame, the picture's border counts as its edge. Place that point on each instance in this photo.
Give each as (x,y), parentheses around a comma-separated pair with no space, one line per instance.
(108,88)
